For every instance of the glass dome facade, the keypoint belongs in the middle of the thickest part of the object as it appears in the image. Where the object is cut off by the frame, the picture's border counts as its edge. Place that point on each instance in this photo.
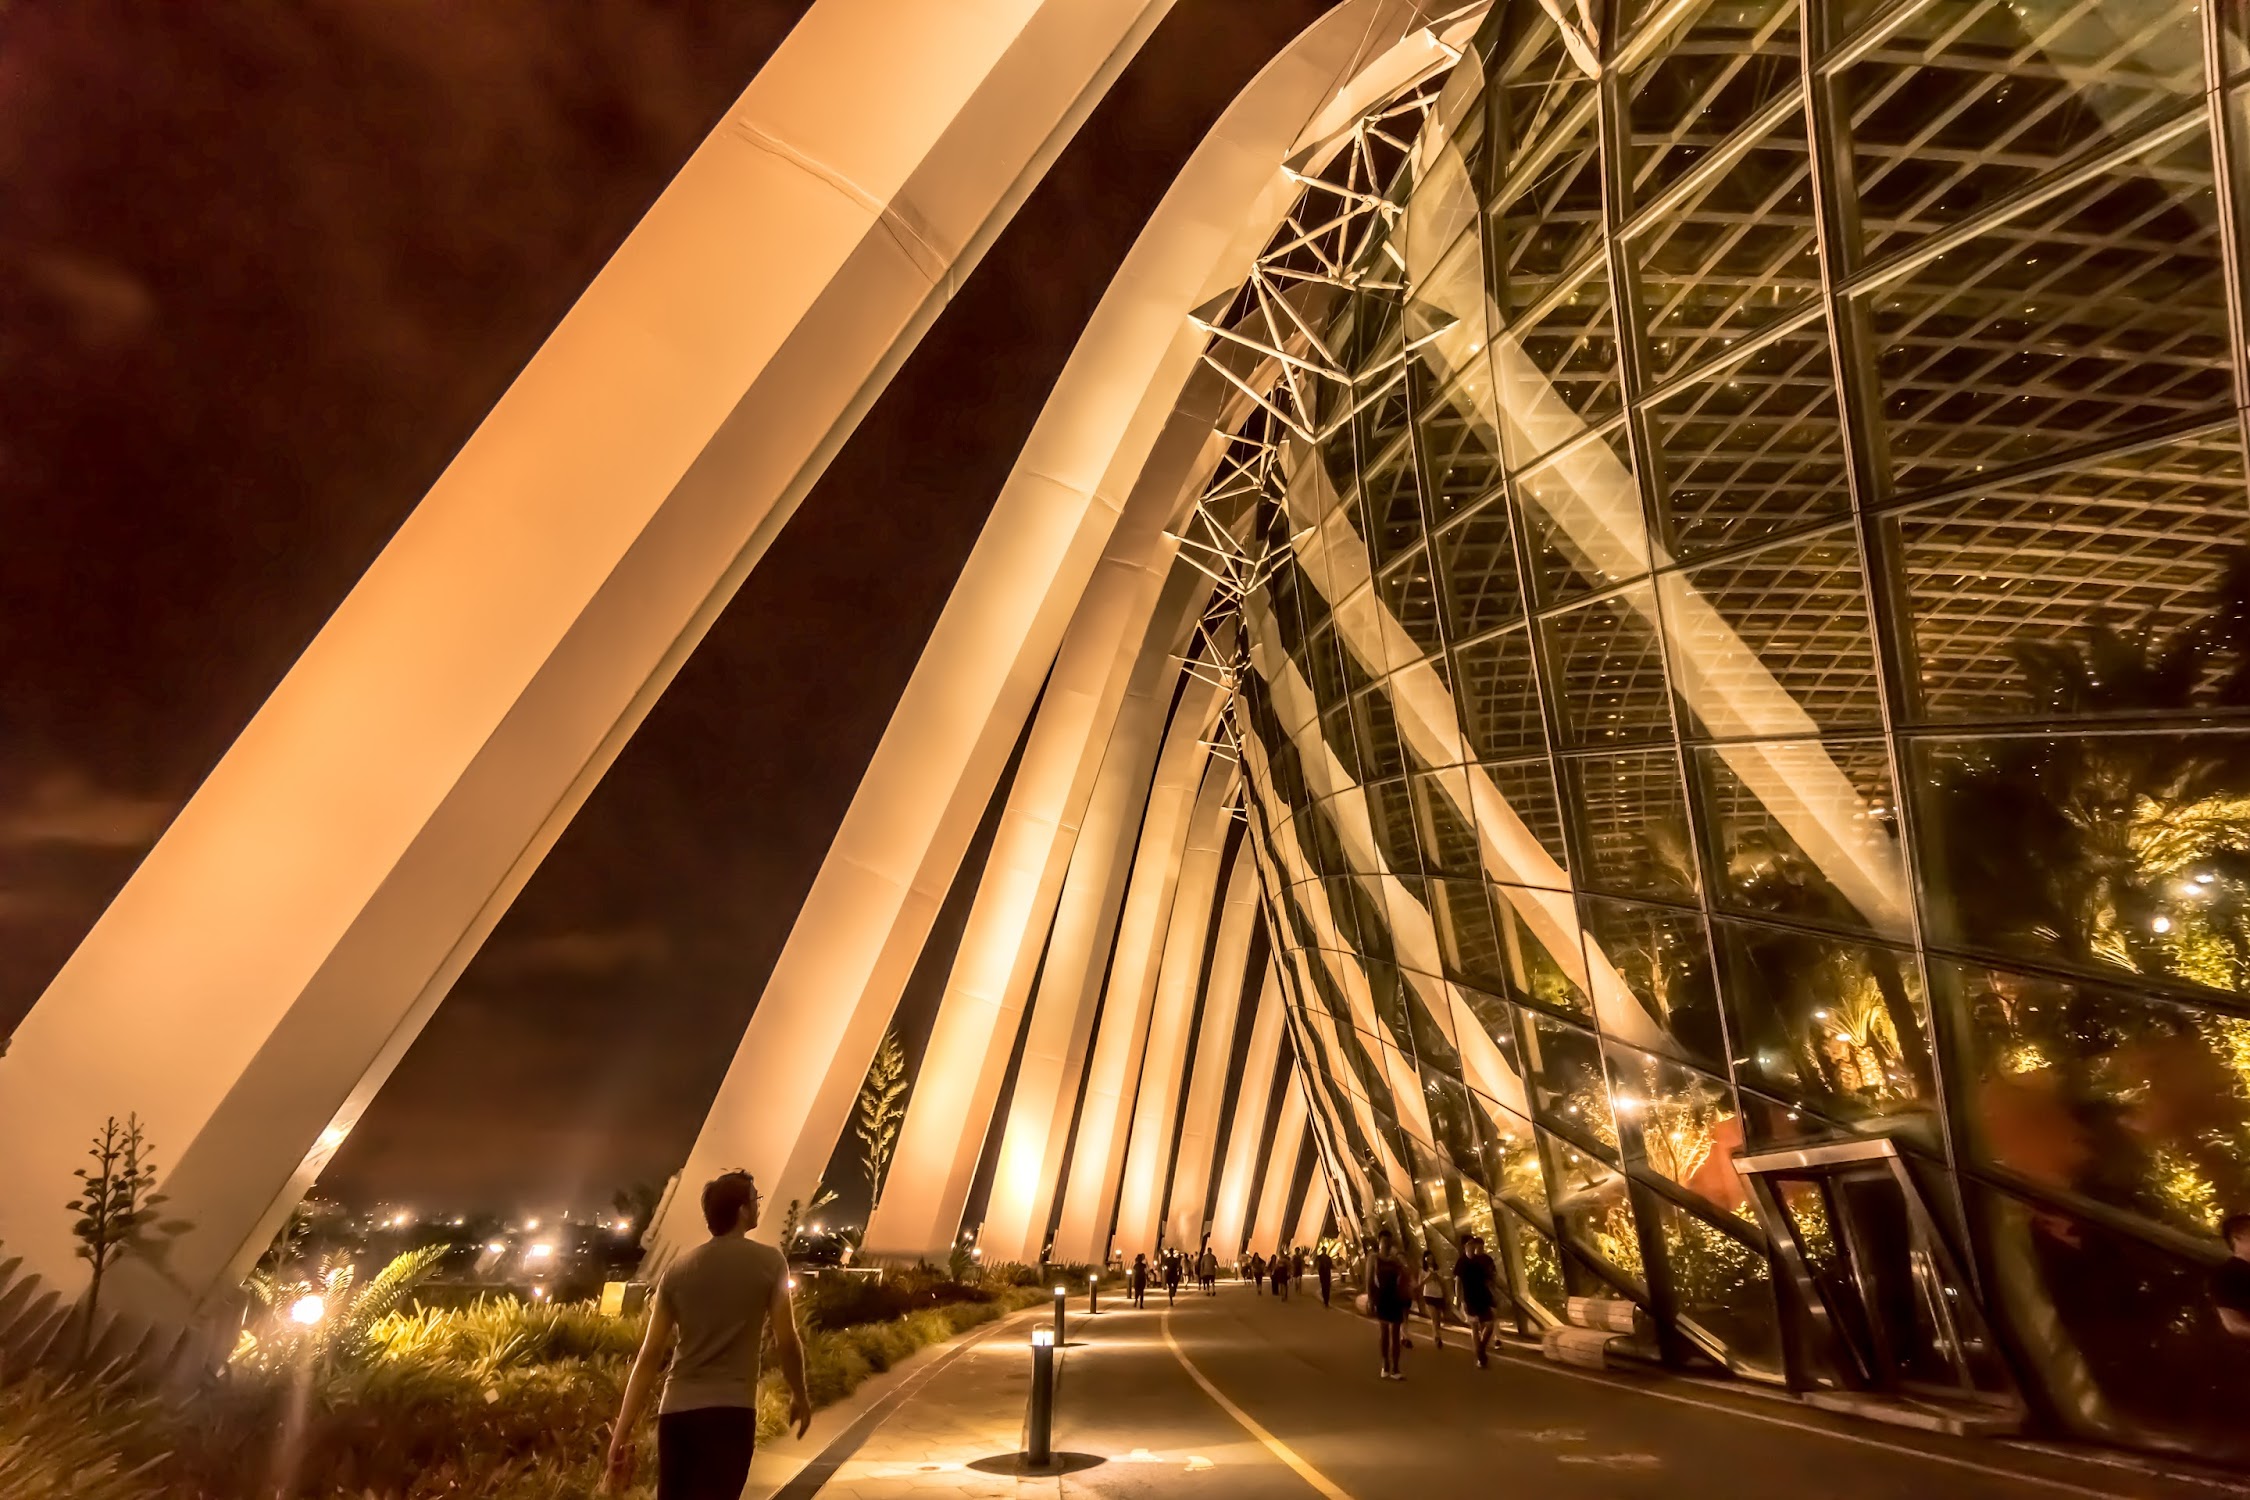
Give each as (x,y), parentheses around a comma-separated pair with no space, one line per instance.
(1742,683)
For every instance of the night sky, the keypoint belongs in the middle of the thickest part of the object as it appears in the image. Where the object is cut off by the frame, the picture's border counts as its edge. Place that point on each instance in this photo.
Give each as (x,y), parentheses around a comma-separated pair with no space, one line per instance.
(262,271)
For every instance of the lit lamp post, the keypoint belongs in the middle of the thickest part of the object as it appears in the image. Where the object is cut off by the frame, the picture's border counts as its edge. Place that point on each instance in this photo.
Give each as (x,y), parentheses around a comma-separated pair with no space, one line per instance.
(1093,1279)
(1060,1340)
(1039,1445)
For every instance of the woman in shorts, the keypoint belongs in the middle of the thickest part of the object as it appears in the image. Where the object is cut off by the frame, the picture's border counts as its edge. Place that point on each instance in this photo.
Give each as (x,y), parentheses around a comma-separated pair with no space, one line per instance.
(1434,1294)
(1390,1295)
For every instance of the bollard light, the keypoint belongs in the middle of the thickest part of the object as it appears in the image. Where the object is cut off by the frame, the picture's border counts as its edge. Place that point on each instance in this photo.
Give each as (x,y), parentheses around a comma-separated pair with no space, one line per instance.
(1060,1338)
(1039,1428)
(1093,1280)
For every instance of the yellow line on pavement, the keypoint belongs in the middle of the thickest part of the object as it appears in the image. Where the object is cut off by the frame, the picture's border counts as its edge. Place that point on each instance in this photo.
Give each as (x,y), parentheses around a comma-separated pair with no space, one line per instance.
(1273,1445)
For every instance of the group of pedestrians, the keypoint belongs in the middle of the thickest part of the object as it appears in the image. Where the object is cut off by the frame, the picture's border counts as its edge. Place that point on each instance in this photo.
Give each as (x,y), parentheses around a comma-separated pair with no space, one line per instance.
(1394,1291)
(1470,1291)
(1173,1267)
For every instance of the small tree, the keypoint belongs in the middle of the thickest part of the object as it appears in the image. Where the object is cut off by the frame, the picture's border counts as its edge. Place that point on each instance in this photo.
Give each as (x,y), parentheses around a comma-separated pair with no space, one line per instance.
(116,1200)
(882,1109)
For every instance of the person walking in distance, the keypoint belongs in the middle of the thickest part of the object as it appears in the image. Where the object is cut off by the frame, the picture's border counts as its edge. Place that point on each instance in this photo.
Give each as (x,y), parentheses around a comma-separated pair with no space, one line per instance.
(715,1304)
(1210,1271)
(1171,1277)
(1477,1278)
(1139,1281)
(1256,1271)
(1324,1265)
(1434,1296)
(1389,1297)
(1279,1266)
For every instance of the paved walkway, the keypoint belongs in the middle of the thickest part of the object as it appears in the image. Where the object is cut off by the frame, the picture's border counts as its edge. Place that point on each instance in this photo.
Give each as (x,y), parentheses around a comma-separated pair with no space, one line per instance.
(1238,1397)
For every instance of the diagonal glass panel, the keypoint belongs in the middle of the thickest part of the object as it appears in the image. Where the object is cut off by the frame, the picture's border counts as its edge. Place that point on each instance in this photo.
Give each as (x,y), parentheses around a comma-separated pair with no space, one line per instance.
(1568,1089)
(1737,255)
(1721,64)
(1537,975)
(1806,830)
(1680,1125)
(1607,670)
(1583,521)
(1593,1212)
(2089,317)
(1722,1290)
(2087,593)
(1554,358)
(1499,697)
(2112,853)
(2088,1089)
(1459,437)
(1632,830)
(1408,590)
(1390,503)
(1754,451)
(1547,200)
(1664,956)
(1527,788)
(1476,559)
(1776,642)
(1963,104)
(1839,1029)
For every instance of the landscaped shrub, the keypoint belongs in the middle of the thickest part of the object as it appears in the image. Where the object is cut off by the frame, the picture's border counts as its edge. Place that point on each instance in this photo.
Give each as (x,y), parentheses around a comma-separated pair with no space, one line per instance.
(502,1400)
(68,1440)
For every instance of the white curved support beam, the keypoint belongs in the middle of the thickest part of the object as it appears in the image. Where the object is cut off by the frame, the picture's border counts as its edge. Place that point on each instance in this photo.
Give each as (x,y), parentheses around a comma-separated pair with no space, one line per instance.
(1251,1098)
(1223,989)
(1097,1150)
(1036,1132)
(1314,1214)
(1163,1070)
(1281,1170)
(281,946)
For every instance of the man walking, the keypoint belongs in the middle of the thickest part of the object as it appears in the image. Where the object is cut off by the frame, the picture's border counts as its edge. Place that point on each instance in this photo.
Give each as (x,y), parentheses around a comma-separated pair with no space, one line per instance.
(1325,1265)
(1477,1278)
(717,1302)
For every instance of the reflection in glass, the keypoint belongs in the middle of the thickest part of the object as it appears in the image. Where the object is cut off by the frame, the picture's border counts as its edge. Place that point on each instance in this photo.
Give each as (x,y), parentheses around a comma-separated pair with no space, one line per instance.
(1608,667)
(1839,1028)
(1477,564)
(1582,519)
(2138,1103)
(1805,829)
(1708,79)
(2086,594)
(2106,852)
(1681,1125)
(1775,643)
(1564,1065)
(1632,824)
(2017,345)
(1664,956)
(1499,696)
(1736,257)
(1723,1290)
(2048,83)
(1641,737)
(1594,1211)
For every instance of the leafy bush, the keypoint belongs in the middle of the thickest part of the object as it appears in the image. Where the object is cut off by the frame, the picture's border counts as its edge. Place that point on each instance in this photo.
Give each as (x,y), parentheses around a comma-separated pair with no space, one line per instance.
(502,1400)
(67,1440)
